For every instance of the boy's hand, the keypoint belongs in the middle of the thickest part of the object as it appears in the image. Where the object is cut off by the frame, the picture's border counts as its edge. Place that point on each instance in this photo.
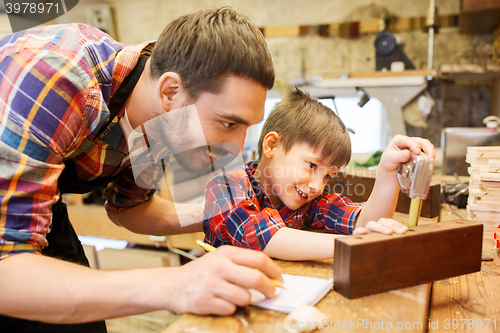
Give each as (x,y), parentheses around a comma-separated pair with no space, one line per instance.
(398,151)
(383,226)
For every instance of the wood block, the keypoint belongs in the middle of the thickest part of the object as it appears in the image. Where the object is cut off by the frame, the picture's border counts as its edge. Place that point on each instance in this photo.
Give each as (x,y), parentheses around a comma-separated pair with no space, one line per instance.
(486,215)
(282,31)
(402,23)
(448,21)
(324,30)
(473,6)
(407,72)
(487,208)
(334,29)
(375,263)
(345,30)
(369,26)
(431,207)
(489,177)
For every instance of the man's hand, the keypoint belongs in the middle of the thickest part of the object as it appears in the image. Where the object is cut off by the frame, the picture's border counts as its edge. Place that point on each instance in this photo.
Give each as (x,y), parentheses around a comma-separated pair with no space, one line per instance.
(383,226)
(217,282)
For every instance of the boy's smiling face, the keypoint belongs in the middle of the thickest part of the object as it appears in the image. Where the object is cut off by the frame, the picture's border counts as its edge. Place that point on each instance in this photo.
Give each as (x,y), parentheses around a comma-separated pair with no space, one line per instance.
(293,178)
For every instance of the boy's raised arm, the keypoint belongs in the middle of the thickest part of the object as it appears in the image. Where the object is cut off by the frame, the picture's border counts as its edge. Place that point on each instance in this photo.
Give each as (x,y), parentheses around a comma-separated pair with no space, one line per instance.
(384,197)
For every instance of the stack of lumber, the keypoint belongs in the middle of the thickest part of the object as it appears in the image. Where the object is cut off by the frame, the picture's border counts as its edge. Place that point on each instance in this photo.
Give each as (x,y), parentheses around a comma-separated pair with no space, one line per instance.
(484,187)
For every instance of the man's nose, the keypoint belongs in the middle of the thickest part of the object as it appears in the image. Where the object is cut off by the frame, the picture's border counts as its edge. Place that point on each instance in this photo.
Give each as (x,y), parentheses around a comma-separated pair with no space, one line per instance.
(235,144)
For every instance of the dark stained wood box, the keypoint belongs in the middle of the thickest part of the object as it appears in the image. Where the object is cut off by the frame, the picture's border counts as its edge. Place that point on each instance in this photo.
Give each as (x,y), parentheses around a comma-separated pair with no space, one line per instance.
(374,263)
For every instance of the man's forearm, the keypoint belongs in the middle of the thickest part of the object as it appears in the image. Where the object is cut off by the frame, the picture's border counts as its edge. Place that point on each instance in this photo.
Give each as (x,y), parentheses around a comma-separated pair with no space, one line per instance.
(161,217)
(36,287)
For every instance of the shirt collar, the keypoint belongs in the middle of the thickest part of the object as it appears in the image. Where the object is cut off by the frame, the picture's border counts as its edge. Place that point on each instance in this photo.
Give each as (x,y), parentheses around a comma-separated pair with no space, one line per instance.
(260,194)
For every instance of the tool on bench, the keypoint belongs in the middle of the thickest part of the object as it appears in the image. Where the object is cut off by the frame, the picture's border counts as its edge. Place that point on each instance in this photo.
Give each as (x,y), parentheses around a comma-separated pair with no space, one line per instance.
(414,177)
(374,263)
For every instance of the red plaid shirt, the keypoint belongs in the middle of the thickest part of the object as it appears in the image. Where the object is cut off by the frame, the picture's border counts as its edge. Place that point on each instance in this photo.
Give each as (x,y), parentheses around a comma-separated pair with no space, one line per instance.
(240,213)
(55,86)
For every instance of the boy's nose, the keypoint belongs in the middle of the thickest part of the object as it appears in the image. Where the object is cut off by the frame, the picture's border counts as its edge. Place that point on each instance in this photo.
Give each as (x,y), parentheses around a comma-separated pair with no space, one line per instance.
(315,185)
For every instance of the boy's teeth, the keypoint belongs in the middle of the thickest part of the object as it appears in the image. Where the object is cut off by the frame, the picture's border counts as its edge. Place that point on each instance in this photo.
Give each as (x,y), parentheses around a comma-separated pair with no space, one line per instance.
(302,194)
(212,155)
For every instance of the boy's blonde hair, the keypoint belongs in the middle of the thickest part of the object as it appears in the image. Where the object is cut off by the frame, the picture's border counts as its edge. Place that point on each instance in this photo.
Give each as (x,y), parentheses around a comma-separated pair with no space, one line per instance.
(302,119)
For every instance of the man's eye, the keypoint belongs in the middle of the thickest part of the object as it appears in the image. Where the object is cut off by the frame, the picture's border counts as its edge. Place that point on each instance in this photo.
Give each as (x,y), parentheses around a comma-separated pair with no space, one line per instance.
(228,124)
(312,165)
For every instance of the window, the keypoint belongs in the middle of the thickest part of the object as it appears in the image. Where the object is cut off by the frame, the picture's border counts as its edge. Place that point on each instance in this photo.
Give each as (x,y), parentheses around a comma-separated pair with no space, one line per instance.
(366,122)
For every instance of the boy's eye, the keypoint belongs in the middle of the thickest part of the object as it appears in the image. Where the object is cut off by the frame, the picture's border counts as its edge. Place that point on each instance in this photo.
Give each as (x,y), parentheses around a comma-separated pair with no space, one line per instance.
(312,165)
(328,177)
(228,124)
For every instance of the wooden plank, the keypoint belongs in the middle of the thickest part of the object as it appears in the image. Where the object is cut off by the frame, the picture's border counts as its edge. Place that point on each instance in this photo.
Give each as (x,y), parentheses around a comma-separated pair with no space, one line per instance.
(485,199)
(472,6)
(483,149)
(469,72)
(408,72)
(408,305)
(480,193)
(282,31)
(488,215)
(374,263)
(467,303)
(448,21)
(431,206)
(489,177)
(334,29)
(369,26)
(481,206)
(490,185)
(402,23)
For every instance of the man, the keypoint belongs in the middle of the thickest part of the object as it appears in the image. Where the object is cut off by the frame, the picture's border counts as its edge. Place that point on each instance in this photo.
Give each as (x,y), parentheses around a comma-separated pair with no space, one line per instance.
(63,89)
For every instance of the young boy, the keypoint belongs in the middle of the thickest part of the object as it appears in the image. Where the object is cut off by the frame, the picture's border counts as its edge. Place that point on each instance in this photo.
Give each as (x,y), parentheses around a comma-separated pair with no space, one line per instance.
(264,205)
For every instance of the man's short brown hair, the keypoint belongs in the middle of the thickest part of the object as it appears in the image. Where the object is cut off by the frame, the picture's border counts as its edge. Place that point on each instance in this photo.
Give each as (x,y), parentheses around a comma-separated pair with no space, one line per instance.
(302,119)
(208,45)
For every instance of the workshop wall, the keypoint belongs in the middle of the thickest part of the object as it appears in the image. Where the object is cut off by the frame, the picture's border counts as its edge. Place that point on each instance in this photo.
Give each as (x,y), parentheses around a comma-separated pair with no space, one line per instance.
(305,56)
(464,104)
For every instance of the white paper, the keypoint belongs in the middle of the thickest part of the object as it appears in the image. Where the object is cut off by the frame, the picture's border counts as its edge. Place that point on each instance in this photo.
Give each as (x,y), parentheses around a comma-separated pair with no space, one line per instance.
(300,291)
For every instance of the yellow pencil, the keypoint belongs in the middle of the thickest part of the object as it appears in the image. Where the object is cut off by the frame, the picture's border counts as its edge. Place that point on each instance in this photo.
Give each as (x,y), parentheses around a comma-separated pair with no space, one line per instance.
(205,246)
(210,248)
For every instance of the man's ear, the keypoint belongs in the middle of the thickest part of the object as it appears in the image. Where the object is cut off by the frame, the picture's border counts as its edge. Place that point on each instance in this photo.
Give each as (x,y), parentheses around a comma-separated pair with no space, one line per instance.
(269,144)
(168,87)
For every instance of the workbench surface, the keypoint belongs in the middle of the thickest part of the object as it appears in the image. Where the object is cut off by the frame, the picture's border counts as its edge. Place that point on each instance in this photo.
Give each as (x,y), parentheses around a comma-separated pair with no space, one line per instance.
(467,303)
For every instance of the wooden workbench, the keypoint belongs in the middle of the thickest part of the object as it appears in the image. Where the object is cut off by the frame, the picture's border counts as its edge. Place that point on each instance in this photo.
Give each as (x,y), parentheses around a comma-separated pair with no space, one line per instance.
(459,304)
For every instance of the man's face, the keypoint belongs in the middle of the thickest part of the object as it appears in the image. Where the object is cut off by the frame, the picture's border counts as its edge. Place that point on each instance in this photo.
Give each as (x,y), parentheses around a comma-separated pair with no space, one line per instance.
(224,118)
